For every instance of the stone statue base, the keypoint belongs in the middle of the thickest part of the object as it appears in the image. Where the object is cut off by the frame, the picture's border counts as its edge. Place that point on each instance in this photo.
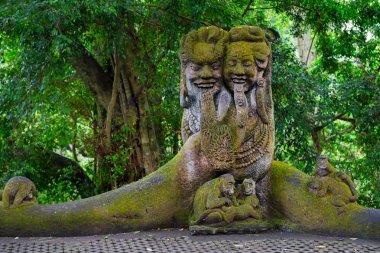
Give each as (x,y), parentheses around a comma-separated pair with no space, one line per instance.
(249,226)
(156,202)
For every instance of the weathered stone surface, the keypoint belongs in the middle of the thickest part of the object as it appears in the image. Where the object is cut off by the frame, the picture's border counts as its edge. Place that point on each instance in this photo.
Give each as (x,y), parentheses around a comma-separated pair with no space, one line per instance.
(201,56)
(234,114)
(250,226)
(290,199)
(326,181)
(213,200)
(153,202)
(157,201)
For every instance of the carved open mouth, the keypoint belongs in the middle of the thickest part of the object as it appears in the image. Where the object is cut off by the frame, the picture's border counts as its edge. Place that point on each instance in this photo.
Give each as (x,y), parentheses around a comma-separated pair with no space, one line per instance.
(205,85)
(239,80)
(248,192)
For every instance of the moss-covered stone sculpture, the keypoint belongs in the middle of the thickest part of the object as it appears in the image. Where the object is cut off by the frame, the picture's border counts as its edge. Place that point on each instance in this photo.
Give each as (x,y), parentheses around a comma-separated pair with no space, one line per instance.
(327,181)
(213,201)
(248,205)
(293,207)
(218,208)
(201,58)
(228,127)
(18,191)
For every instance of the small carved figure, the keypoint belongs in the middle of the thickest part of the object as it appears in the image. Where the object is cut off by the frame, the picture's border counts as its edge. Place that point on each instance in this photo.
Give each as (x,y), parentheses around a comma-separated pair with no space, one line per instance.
(248,205)
(327,181)
(18,191)
(210,200)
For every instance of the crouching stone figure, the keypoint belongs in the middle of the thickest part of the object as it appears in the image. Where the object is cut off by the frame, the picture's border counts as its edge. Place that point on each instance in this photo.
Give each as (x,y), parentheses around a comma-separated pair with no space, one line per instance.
(211,199)
(19,191)
(327,182)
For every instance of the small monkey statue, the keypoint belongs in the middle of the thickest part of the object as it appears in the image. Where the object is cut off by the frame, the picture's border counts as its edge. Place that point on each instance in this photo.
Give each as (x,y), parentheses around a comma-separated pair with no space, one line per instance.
(210,200)
(18,191)
(248,205)
(327,181)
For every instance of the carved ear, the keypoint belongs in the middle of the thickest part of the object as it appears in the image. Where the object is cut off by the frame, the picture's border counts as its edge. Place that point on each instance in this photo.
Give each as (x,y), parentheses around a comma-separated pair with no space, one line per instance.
(262,64)
(272,35)
(183,99)
(183,94)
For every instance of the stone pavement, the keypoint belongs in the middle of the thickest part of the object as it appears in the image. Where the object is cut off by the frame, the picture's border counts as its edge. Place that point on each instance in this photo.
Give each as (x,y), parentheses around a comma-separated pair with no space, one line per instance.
(179,240)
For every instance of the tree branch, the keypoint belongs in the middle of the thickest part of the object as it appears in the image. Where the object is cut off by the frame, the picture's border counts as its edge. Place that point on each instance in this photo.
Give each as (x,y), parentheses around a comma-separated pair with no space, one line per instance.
(247,8)
(112,103)
(92,74)
(261,8)
(311,46)
(345,131)
(331,118)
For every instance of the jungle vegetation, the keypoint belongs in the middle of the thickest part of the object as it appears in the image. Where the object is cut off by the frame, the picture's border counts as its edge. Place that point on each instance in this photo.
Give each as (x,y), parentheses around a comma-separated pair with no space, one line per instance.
(89,90)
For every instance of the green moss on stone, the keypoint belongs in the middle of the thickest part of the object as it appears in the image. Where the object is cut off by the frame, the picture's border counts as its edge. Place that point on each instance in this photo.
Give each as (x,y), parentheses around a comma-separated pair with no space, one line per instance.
(290,199)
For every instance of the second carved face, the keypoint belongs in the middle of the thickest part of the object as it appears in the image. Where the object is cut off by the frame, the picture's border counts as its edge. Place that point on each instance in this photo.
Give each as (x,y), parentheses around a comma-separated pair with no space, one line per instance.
(239,66)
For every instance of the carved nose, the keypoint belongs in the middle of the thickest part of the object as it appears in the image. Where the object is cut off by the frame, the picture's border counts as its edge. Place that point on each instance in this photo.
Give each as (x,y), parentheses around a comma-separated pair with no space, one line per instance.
(206,72)
(239,69)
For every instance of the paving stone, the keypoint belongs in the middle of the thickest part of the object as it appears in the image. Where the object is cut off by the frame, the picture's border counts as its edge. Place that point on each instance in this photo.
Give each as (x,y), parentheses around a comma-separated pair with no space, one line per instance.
(187,244)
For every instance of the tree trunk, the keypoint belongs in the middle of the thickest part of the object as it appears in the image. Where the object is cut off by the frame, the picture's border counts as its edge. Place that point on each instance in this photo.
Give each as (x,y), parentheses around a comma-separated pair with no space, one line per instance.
(316,141)
(127,128)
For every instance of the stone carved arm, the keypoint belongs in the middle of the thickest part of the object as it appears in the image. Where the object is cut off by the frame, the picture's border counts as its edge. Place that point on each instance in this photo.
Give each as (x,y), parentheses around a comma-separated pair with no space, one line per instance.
(216,138)
(213,203)
(347,180)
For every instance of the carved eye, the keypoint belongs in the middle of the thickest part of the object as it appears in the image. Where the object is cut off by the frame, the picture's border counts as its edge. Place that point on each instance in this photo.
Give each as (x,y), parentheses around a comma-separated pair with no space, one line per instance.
(215,65)
(247,63)
(231,63)
(195,67)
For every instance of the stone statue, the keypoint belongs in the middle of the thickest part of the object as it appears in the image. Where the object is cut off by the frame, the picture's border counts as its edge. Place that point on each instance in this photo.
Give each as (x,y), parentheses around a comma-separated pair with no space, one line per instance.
(247,74)
(235,117)
(248,203)
(216,203)
(19,191)
(211,199)
(201,58)
(327,181)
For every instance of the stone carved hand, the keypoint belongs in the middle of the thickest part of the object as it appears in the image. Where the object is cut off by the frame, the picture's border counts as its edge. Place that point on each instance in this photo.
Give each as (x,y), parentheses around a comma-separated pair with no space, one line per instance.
(216,137)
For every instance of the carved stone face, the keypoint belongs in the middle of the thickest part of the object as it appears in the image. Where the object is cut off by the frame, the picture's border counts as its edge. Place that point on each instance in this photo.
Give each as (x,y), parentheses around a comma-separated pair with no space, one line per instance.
(249,187)
(322,171)
(204,72)
(228,187)
(239,66)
